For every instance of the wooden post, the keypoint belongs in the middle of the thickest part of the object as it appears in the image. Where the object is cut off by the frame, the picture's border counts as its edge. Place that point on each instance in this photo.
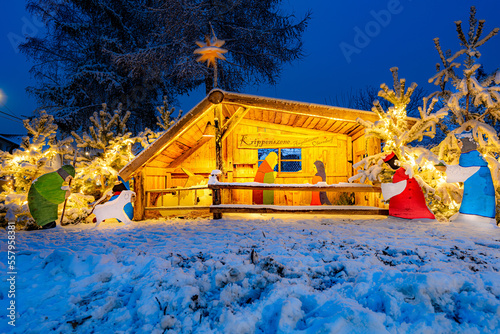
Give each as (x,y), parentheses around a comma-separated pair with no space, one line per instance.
(219,163)
(216,200)
(140,198)
(228,198)
(350,158)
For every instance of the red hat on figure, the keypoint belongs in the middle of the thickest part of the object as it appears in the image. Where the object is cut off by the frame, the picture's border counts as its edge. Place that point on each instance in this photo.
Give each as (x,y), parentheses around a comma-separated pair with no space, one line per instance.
(389,157)
(391,160)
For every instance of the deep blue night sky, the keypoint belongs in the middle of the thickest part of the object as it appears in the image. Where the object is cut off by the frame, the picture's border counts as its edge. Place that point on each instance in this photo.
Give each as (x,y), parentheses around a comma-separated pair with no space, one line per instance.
(403,39)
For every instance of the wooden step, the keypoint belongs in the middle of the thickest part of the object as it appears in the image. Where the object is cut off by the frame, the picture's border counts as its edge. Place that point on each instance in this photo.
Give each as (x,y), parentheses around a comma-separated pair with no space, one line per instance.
(320,209)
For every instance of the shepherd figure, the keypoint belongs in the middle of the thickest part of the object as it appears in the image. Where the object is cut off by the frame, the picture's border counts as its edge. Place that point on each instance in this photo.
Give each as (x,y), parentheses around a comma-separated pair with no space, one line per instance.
(319,197)
(265,174)
(46,193)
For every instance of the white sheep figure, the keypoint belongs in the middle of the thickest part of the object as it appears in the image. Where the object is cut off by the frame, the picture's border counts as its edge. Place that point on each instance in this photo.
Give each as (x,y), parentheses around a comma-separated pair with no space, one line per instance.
(119,208)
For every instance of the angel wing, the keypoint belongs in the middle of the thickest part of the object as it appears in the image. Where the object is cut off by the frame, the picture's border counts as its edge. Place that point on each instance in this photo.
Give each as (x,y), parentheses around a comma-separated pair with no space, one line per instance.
(390,190)
(456,173)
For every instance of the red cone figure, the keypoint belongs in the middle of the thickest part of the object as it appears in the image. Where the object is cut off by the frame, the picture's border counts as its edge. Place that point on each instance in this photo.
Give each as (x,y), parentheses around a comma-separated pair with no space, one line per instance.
(406,197)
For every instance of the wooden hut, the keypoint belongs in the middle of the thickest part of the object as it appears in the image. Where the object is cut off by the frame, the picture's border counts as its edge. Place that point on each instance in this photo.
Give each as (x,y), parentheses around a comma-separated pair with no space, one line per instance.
(232,132)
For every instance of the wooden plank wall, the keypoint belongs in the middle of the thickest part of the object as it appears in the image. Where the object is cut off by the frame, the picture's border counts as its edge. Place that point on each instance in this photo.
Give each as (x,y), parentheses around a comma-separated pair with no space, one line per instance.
(200,162)
(334,158)
(361,147)
(241,166)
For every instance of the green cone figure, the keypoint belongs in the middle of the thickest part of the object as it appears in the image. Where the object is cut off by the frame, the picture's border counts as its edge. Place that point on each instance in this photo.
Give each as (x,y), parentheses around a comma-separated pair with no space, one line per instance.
(45,194)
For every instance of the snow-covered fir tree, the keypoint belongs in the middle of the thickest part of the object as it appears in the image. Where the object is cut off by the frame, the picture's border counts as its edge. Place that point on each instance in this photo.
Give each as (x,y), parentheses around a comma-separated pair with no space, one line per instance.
(470,103)
(398,132)
(136,52)
(166,118)
(40,153)
(473,102)
(99,154)
(103,151)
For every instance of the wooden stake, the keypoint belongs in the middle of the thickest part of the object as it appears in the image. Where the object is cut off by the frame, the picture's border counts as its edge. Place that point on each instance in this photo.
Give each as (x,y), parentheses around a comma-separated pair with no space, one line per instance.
(65,201)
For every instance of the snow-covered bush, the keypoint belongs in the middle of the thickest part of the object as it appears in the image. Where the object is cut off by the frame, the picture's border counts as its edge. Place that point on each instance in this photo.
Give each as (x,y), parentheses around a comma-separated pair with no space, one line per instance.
(107,148)
(99,155)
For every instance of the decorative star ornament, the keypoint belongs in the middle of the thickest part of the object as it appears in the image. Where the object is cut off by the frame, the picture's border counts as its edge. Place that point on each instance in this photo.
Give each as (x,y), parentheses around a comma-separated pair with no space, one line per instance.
(210,50)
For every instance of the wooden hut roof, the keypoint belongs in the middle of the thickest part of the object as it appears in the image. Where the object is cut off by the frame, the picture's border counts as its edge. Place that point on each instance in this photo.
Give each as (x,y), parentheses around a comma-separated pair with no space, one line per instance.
(186,136)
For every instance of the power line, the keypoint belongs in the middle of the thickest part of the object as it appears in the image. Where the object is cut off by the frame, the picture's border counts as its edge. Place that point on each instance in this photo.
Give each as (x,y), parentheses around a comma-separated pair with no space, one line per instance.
(13,116)
(7,107)
(10,119)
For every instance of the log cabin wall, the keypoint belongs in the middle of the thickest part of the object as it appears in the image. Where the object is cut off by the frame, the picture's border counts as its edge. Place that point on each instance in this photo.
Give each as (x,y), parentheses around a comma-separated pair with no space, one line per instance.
(201,163)
(188,152)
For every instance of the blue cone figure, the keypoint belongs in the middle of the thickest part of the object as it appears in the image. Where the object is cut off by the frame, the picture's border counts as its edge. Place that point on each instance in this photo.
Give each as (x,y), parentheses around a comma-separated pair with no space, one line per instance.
(479,193)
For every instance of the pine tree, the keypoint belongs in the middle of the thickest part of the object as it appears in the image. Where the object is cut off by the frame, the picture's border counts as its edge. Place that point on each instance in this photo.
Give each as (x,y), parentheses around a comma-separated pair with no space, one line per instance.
(166,118)
(164,121)
(397,132)
(136,52)
(107,149)
(470,99)
(473,101)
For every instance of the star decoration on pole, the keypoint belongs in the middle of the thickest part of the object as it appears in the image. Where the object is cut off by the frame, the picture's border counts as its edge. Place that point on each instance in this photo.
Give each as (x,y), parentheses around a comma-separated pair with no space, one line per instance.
(210,51)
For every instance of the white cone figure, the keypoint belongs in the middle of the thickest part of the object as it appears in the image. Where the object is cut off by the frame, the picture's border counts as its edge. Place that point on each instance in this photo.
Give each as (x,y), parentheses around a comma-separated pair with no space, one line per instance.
(115,208)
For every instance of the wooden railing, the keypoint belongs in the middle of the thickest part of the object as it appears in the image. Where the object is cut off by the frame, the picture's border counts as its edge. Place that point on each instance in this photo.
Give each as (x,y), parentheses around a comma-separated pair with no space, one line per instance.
(218,208)
(177,191)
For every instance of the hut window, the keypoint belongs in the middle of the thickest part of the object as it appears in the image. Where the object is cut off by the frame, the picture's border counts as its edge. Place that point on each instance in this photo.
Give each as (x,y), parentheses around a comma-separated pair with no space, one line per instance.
(289,159)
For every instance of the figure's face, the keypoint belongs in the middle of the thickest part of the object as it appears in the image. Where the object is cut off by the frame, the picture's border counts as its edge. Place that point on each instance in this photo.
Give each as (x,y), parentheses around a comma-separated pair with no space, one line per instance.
(315,169)
(68,178)
(272,159)
(466,145)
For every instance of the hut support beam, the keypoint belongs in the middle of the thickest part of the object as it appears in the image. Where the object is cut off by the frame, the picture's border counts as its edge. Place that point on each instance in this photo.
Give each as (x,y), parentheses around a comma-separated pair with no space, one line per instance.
(219,163)
(187,154)
(140,200)
(233,121)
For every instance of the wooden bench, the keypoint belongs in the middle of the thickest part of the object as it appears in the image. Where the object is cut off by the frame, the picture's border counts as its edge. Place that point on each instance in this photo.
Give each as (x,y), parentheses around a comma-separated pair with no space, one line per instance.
(218,208)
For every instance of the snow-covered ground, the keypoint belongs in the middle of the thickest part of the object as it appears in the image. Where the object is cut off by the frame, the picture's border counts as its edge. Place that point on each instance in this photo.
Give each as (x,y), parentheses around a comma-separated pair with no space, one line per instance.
(311,274)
